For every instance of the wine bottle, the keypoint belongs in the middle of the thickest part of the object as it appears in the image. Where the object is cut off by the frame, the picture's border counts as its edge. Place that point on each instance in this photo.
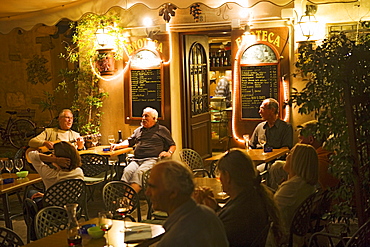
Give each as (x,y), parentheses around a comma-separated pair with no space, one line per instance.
(119,137)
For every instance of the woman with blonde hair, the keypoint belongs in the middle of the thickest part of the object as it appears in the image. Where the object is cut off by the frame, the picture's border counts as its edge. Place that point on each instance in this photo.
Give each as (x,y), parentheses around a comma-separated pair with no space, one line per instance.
(250,211)
(302,166)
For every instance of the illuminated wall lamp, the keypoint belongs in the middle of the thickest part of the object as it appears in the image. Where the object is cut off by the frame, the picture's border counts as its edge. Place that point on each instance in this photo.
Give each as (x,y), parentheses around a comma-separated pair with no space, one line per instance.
(105,61)
(308,22)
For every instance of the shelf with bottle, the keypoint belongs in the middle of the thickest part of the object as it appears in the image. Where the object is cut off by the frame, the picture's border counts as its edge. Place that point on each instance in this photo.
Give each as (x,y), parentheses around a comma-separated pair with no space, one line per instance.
(220,59)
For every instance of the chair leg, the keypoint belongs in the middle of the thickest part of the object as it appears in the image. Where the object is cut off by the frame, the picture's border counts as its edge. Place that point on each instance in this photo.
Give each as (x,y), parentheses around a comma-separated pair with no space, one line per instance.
(91,191)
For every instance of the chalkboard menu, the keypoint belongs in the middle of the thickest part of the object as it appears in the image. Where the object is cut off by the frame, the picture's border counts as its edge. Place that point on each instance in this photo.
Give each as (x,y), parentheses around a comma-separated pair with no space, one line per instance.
(257,84)
(146,91)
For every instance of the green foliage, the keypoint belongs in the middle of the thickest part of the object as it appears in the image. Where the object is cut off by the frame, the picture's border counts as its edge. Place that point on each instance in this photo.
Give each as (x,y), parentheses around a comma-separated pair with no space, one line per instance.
(337,64)
(37,71)
(83,52)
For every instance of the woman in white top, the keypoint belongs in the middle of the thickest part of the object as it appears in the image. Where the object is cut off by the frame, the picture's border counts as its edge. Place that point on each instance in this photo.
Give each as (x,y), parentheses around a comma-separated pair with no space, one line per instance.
(62,165)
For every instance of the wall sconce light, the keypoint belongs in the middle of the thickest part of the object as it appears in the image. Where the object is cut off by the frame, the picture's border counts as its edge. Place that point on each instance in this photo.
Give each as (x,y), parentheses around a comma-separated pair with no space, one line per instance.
(308,22)
(105,59)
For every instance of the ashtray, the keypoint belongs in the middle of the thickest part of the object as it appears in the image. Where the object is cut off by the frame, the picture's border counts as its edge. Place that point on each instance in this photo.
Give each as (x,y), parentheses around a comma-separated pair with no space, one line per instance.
(8,180)
(84,228)
(267,149)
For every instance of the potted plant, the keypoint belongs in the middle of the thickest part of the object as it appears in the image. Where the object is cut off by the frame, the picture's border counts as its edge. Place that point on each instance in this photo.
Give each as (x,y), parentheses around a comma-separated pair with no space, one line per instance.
(336,68)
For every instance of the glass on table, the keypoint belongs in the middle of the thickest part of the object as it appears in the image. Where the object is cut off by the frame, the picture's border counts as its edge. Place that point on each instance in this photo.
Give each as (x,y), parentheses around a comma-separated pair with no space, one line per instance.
(218,175)
(123,207)
(2,165)
(18,164)
(9,165)
(111,139)
(262,142)
(106,223)
(94,140)
(246,141)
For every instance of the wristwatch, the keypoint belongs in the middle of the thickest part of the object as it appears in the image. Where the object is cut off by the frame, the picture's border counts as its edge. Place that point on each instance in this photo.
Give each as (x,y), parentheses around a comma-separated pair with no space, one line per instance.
(170,152)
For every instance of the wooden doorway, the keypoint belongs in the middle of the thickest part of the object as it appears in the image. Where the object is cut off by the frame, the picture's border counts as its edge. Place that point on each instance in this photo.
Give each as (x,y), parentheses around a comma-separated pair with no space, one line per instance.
(195,95)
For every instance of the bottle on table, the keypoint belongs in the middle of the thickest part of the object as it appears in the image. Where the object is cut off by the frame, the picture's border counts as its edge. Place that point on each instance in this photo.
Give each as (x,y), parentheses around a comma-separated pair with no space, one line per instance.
(73,229)
(119,136)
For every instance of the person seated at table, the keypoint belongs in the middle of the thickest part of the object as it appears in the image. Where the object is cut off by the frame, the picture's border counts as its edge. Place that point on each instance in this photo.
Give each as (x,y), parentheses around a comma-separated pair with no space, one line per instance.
(64,132)
(62,165)
(278,132)
(151,142)
(170,189)
(302,166)
(308,135)
(248,213)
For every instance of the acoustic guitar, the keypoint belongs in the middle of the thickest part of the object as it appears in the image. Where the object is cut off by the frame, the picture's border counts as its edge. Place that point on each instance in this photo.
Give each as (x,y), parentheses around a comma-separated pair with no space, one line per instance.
(44,149)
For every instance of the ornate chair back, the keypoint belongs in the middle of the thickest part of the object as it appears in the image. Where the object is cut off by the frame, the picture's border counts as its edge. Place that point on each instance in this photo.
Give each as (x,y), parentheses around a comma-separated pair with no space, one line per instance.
(194,161)
(9,238)
(50,220)
(118,189)
(301,218)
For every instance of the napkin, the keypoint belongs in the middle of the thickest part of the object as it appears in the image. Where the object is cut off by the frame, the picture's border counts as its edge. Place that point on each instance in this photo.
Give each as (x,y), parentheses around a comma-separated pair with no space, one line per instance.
(138,233)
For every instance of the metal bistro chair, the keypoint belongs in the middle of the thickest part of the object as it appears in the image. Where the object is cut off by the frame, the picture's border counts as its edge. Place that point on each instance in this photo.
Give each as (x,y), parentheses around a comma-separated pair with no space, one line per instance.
(67,191)
(194,161)
(9,238)
(50,220)
(59,194)
(96,170)
(119,189)
(154,217)
(301,219)
(361,238)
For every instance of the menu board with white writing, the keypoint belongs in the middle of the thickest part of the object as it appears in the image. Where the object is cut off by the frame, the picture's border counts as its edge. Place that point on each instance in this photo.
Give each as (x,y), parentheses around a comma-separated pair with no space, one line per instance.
(257,84)
(146,91)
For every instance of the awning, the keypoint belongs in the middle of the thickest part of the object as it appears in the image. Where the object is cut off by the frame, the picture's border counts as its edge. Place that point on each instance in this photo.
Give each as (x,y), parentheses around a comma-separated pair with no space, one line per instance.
(26,14)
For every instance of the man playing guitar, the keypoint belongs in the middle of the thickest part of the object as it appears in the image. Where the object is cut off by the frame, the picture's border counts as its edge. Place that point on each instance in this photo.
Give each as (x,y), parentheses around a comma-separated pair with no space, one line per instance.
(49,136)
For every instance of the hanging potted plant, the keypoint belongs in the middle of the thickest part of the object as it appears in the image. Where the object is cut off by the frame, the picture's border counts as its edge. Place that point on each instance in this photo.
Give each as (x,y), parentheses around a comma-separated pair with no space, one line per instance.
(84,53)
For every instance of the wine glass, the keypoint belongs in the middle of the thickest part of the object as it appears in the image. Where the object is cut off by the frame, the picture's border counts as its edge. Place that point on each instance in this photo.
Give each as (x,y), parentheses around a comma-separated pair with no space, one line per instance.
(9,165)
(2,165)
(106,223)
(18,164)
(111,139)
(218,175)
(123,207)
(262,141)
(94,140)
(246,140)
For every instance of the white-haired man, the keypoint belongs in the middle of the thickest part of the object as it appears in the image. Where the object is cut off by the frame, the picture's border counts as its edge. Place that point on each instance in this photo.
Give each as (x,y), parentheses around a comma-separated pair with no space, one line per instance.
(151,141)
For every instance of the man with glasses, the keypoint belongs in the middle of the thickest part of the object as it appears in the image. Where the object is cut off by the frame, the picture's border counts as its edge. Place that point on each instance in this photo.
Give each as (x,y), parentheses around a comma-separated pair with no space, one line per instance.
(49,136)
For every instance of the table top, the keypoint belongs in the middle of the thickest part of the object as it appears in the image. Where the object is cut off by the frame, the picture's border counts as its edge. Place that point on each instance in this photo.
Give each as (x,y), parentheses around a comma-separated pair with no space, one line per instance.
(32,178)
(215,185)
(99,150)
(257,155)
(116,237)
